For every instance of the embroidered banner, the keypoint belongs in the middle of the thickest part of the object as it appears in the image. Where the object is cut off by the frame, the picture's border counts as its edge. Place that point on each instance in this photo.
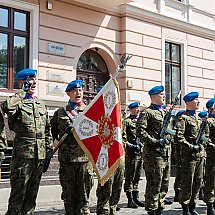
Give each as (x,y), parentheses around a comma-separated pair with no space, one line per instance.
(98,131)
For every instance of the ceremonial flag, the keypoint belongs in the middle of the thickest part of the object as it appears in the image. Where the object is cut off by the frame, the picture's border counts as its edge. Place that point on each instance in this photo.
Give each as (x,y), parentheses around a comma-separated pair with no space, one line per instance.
(98,131)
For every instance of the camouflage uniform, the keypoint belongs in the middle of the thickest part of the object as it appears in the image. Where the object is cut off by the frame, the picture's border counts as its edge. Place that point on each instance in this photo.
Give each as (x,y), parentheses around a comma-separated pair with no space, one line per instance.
(133,158)
(210,164)
(187,131)
(3,141)
(32,143)
(156,158)
(108,195)
(76,172)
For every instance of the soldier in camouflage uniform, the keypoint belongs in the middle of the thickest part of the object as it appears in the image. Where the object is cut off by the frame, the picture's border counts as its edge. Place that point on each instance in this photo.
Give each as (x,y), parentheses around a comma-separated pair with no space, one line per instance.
(191,154)
(76,172)
(209,192)
(133,157)
(156,152)
(108,195)
(28,118)
(3,141)
(176,148)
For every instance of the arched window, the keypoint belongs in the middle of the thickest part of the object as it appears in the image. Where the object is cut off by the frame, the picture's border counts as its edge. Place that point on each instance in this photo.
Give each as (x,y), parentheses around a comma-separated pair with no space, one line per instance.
(92,69)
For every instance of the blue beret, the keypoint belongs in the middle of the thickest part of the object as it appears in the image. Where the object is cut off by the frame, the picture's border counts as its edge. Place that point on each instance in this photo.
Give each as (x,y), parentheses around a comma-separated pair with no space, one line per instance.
(74,84)
(210,103)
(156,90)
(179,113)
(190,96)
(163,106)
(133,105)
(202,114)
(25,73)
(99,89)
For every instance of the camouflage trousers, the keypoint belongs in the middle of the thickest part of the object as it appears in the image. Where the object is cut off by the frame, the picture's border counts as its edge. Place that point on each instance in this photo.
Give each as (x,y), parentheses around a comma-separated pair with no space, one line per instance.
(25,176)
(177,156)
(76,179)
(133,169)
(157,177)
(108,196)
(191,182)
(209,191)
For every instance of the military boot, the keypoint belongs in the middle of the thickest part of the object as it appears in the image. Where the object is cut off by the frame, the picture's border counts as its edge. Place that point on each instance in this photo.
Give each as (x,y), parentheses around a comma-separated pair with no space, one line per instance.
(192,209)
(176,197)
(131,203)
(214,205)
(210,209)
(185,209)
(201,193)
(151,213)
(159,211)
(136,199)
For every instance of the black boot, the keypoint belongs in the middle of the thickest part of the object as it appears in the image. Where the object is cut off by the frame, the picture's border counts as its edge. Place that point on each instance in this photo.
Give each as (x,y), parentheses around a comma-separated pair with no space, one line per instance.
(201,193)
(151,213)
(176,197)
(185,209)
(192,209)
(159,211)
(210,209)
(136,199)
(131,203)
(117,208)
(214,205)
(167,202)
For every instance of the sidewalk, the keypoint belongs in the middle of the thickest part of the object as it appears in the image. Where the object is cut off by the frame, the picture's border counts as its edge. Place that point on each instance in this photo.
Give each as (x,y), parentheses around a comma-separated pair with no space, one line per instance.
(50,203)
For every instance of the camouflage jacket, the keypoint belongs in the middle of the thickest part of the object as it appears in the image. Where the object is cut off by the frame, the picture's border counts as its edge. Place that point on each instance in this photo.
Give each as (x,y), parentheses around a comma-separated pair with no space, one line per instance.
(187,129)
(3,140)
(69,151)
(129,135)
(210,149)
(30,122)
(149,125)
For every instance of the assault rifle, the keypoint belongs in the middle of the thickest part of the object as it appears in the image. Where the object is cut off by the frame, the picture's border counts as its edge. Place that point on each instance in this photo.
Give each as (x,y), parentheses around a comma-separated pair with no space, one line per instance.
(167,119)
(200,136)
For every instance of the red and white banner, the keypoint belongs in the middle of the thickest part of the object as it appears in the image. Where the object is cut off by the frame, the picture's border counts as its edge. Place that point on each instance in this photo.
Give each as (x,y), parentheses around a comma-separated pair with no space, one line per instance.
(98,131)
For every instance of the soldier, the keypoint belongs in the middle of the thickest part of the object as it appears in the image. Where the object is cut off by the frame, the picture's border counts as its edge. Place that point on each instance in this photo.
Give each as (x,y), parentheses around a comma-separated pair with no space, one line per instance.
(191,154)
(3,141)
(108,195)
(210,162)
(28,118)
(76,172)
(156,152)
(176,152)
(133,157)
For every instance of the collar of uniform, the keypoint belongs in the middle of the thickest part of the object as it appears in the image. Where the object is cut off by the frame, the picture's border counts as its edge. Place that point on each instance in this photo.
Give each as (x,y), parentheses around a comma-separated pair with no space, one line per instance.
(212,115)
(133,116)
(156,107)
(191,112)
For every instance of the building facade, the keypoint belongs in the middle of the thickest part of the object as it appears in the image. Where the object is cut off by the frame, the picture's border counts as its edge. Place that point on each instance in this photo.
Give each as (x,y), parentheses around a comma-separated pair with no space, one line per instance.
(171,42)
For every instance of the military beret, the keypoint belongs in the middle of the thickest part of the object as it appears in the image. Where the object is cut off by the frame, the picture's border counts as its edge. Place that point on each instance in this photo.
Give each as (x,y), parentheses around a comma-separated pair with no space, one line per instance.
(99,89)
(190,96)
(202,114)
(133,105)
(25,73)
(179,113)
(210,103)
(74,84)
(156,90)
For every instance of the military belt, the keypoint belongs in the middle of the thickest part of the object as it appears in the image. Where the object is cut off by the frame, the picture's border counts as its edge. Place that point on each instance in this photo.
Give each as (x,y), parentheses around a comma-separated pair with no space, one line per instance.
(31,135)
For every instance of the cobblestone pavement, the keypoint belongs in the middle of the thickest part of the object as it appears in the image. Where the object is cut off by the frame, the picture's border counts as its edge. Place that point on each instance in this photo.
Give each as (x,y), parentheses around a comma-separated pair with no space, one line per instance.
(49,202)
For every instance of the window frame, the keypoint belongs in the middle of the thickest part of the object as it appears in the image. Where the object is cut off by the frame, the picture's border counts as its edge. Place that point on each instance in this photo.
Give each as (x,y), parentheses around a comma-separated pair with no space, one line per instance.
(33,9)
(183,43)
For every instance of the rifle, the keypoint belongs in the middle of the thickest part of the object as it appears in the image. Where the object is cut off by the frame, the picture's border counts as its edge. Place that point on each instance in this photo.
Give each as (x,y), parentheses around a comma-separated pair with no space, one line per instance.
(167,119)
(200,136)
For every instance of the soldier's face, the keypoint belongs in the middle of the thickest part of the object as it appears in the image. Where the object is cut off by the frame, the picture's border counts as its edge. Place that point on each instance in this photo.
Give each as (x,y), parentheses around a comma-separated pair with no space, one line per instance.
(193,105)
(158,99)
(33,81)
(76,95)
(135,111)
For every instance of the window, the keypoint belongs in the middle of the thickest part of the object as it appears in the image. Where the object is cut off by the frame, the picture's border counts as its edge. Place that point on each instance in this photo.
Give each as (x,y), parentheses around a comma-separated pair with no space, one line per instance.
(172,70)
(14,45)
